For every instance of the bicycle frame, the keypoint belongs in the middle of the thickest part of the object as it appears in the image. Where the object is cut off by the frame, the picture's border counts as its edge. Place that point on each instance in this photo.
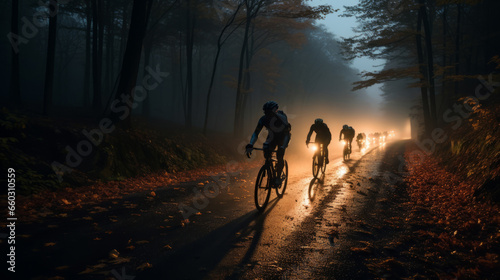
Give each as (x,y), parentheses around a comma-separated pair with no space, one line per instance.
(319,159)
(347,148)
(271,161)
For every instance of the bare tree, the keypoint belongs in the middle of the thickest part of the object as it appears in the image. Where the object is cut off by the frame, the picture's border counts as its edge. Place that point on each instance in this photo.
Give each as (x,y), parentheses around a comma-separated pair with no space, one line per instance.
(49,66)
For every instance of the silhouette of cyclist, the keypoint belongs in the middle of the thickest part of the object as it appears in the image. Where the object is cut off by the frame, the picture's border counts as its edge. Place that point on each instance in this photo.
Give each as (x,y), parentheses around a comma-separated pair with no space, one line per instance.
(360,139)
(278,127)
(323,135)
(349,133)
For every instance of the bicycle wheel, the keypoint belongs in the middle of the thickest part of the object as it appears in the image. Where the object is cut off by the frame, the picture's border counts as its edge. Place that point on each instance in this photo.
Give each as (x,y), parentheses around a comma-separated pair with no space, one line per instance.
(315,165)
(345,152)
(263,187)
(280,190)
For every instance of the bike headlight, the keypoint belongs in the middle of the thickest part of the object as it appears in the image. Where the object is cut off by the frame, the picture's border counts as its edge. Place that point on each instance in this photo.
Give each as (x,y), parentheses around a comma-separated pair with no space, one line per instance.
(314,148)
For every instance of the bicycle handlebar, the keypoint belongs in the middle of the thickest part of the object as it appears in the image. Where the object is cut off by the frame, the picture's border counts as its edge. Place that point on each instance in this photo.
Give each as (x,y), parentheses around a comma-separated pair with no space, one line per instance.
(259,149)
(262,149)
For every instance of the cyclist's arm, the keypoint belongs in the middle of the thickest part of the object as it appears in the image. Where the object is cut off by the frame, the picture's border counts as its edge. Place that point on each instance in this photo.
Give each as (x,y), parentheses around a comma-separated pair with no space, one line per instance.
(286,141)
(309,134)
(256,133)
(340,136)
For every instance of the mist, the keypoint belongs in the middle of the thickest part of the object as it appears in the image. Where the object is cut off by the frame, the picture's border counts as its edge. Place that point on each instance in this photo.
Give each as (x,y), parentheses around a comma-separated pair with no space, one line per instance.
(298,64)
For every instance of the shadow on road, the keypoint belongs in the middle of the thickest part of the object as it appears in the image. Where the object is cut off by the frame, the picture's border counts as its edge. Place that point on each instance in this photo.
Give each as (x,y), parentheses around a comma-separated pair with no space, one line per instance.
(314,187)
(197,259)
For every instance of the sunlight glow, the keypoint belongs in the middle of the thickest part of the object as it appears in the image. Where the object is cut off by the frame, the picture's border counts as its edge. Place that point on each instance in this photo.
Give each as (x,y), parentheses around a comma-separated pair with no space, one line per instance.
(313,148)
(341,171)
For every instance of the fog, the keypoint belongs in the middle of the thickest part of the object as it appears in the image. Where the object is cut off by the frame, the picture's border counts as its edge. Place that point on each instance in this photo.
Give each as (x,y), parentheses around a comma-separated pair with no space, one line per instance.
(296,63)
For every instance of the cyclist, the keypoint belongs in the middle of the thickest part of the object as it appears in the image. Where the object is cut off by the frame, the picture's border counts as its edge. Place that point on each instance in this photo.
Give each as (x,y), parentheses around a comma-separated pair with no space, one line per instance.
(360,139)
(349,133)
(323,135)
(278,128)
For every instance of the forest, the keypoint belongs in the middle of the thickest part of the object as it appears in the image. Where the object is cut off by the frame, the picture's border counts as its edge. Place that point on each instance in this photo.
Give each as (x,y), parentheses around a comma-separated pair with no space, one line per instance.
(204,56)
(207,66)
(446,50)
(126,124)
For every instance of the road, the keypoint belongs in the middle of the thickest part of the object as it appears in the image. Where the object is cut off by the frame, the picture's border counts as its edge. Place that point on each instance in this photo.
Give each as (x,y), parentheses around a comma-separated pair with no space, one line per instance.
(319,229)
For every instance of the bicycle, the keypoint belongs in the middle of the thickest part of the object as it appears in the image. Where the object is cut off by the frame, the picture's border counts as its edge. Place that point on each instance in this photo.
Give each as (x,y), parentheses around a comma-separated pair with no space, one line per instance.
(319,160)
(347,149)
(266,180)
(361,143)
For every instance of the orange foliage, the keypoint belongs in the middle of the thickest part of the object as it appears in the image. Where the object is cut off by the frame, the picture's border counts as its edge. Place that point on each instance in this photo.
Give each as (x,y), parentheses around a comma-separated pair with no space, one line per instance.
(456,228)
(32,207)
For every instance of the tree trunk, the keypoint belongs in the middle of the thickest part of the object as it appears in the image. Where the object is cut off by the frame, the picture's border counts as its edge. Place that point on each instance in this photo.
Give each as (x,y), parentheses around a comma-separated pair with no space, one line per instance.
(96,62)
(457,48)
(102,24)
(123,41)
(444,94)
(15,89)
(252,9)
(131,61)
(238,113)
(109,51)
(86,83)
(430,62)
(423,74)
(220,42)
(49,66)
(146,109)
(189,60)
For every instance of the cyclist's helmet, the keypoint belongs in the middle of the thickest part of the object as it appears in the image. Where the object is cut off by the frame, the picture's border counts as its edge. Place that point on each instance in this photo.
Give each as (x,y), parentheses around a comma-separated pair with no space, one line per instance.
(269,106)
(318,121)
(345,126)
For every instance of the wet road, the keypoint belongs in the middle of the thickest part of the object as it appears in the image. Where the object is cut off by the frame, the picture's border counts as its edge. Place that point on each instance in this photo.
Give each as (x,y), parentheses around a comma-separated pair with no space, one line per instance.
(309,233)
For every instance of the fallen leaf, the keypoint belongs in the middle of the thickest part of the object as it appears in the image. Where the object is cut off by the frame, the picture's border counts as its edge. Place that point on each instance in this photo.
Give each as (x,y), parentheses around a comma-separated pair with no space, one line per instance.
(114,254)
(120,260)
(93,268)
(65,201)
(144,266)
(49,244)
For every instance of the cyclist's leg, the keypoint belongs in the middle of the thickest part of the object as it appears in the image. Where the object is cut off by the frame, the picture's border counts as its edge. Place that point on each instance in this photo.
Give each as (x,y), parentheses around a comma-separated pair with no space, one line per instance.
(281,162)
(325,148)
(268,150)
(282,145)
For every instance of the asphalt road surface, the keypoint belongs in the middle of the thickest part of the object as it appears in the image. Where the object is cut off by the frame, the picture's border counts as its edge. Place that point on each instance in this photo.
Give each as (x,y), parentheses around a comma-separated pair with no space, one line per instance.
(320,229)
